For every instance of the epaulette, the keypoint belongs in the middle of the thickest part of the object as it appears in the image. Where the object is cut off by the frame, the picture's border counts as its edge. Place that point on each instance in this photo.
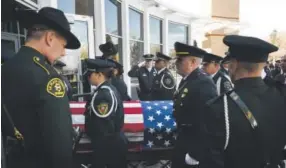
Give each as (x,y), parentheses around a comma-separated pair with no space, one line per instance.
(37,62)
(211,101)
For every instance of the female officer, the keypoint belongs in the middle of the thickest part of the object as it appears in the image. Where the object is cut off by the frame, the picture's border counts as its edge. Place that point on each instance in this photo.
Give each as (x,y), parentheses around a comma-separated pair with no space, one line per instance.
(105,117)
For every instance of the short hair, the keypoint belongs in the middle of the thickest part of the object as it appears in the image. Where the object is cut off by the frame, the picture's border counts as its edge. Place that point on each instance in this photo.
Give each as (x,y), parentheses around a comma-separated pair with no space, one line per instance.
(250,67)
(36,32)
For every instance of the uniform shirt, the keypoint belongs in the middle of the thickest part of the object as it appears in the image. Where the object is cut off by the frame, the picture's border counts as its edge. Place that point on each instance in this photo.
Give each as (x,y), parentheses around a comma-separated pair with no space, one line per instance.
(243,148)
(189,103)
(145,79)
(36,99)
(163,86)
(104,115)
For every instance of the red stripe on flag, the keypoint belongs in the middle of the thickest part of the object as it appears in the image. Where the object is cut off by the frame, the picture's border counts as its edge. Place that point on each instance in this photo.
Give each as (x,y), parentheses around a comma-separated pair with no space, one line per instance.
(138,127)
(77,110)
(133,110)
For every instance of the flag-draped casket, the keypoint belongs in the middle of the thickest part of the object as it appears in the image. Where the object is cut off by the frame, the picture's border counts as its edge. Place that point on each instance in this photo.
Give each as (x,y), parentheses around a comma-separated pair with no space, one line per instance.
(147,124)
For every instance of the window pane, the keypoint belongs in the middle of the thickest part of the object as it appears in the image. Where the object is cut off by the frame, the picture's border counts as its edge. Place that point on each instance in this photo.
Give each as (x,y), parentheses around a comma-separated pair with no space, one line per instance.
(136,52)
(135,25)
(84,7)
(154,48)
(113,17)
(118,44)
(67,6)
(155,30)
(178,33)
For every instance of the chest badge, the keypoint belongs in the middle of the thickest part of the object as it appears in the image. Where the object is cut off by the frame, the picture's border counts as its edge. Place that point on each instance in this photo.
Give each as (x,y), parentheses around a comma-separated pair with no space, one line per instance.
(144,74)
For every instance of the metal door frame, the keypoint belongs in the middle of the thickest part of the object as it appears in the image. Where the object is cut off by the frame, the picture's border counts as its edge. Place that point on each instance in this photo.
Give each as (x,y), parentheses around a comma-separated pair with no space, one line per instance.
(91,38)
(11,37)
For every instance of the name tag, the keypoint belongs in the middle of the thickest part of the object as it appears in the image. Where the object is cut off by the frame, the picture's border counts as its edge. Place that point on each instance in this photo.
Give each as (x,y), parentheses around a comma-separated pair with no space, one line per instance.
(144,74)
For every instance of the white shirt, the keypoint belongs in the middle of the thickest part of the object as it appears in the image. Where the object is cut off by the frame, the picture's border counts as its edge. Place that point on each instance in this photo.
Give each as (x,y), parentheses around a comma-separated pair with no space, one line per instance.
(161,70)
(214,74)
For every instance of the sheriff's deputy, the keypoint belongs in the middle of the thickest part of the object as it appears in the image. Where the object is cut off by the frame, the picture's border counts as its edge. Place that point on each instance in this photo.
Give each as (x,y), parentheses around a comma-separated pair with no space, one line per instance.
(34,93)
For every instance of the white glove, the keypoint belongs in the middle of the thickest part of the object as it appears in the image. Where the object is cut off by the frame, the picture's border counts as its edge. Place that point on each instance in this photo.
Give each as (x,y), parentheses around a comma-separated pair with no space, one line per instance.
(141,64)
(190,161)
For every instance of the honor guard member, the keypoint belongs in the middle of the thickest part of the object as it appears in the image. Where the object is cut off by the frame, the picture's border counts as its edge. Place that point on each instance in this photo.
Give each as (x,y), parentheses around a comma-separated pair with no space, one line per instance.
(105,118)
(249,130)
(164,85)
(211,65)
(119,83)
(108,49)
(145,74)
(34,93)
(195,89)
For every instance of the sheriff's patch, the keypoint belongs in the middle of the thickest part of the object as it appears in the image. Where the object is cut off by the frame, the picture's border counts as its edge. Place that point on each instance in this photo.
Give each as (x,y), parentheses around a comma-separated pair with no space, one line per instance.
(102,108)
(168,81)
(56,87)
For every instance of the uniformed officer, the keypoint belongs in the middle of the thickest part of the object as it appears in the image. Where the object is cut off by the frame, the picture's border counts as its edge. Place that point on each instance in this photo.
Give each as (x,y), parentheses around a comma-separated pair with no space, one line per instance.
(249,130)
(211,65)
(225,64)
(118,82)
(164,84)
(145,74)
(105,118)
(108,49)
(34,93)
(59,68)
(195,89)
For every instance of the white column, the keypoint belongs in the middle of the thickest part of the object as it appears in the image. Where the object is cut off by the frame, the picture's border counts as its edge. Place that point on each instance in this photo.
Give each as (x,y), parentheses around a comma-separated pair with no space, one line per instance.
(165,28)
(126,43)
(190,40)
(99,19)
(146,28)
(51,3)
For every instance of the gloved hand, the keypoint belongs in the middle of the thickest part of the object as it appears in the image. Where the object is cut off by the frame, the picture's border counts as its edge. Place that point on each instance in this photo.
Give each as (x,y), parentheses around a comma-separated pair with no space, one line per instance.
(190,161)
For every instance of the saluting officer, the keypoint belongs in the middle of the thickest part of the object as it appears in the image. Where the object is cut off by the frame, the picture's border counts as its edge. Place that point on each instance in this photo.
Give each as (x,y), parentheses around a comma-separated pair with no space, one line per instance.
(164,85)
(105,117)
(145,74)
(35,94)
(195,89)
(211,65)
(249,130)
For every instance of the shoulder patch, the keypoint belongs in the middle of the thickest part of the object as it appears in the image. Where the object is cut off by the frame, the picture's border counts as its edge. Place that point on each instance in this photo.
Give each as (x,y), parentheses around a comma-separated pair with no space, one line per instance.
(56,87)
(37,62)
(102,108)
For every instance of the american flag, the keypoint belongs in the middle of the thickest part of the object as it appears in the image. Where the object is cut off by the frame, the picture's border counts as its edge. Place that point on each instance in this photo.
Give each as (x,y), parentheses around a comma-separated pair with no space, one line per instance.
(149,124)
(159,125)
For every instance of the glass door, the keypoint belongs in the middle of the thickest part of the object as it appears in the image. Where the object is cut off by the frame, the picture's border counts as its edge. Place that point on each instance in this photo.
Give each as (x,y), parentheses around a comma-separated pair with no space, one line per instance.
(82,27)
(9,45)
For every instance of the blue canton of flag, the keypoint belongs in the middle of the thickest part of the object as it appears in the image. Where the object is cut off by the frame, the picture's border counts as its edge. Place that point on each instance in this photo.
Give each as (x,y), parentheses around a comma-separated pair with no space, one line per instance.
(159,125)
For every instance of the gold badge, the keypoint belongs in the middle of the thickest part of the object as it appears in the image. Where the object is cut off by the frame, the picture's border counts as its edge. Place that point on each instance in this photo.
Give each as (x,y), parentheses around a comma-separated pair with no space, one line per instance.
(102,108)
(186,90)
(56,87)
